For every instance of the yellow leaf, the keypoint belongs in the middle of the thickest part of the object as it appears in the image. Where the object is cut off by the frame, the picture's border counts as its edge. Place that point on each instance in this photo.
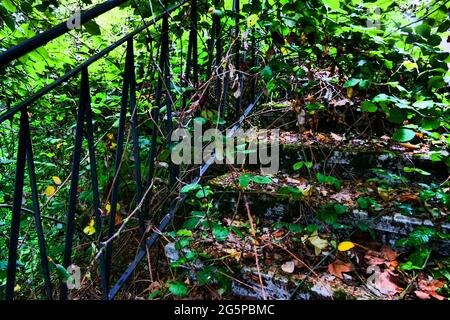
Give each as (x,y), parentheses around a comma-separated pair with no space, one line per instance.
(384,194)
(349,92)
(410,65)
(17,288)
(252,20)
(318,243)
(345,246)
(233,253)
(303,38)
(108,208)
(284,51)
(308,191)
(49,191)
(90,229)
(57,180)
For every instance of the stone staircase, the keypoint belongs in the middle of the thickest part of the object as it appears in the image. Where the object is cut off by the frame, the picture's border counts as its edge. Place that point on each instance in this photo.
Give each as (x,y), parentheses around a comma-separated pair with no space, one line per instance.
(381,201)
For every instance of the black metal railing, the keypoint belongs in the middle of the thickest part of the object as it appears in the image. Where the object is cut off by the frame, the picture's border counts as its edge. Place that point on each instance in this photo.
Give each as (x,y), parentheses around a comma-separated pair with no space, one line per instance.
(85,130)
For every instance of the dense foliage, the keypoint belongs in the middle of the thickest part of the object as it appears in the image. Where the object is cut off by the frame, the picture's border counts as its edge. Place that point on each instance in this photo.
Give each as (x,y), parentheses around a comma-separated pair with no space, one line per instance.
(388,61)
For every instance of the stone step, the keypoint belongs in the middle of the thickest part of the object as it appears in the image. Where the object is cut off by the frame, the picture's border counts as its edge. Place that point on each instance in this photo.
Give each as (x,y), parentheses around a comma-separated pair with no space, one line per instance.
(286,116)
(351,157)
(394,213)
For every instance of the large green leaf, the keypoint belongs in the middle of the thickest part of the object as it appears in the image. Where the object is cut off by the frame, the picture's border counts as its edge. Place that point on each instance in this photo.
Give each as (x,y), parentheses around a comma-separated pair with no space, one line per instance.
(332,4)
(403,135)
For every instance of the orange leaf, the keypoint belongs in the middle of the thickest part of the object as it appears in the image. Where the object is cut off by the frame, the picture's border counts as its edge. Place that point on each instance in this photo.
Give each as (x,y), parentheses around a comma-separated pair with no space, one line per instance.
(338,267)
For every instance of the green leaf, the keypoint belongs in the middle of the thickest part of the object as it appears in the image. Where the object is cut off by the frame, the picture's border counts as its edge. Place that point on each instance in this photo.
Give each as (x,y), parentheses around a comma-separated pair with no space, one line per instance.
(203,193)
(178,289)
(410,66)
(434,40)
(403,135)
(267,73)
(351,83)
(368,106)
(420,171)
(301,164)
(397,115)
(332,4)
(363,203)
(184,233)
(92,27)
(244,180)
(424,30)
(430,123)
(436,82)
(220,232)
(200,120)
(330,212)
(190,187)
(191,223)
(261,180)
(329,180)
(9,6)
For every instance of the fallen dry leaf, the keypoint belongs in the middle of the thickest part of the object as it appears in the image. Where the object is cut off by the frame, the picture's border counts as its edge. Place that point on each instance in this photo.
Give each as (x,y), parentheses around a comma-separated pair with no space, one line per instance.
(336,137)
(410,146)
(388,253)
(408,198)
(385,285)
(338,267)
(422,295)
(429,286)
(288,266)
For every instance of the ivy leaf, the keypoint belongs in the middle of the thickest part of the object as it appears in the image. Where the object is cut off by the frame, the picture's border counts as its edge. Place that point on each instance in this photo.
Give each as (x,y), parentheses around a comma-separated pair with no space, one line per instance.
(92,27)
(261,180)
(267,73)
(184,233)
(332,4)
(419,171)
(410,66)
(403,135)
(351,83)
(301,164)
(9,6)
(190,187)
(178,289)
(244,180)
(203,193)
(424,30)
(220,232)
(368,106)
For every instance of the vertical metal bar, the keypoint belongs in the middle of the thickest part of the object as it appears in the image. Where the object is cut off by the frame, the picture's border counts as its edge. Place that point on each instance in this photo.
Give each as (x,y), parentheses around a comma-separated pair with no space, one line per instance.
(188,71)
(134,131)
(95,190)
(218,60)
(159,85)
(17,205)
(118,162)
(73,193)
(194,26)
(37,215)
(166,72)
(237,59)
(253,58)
